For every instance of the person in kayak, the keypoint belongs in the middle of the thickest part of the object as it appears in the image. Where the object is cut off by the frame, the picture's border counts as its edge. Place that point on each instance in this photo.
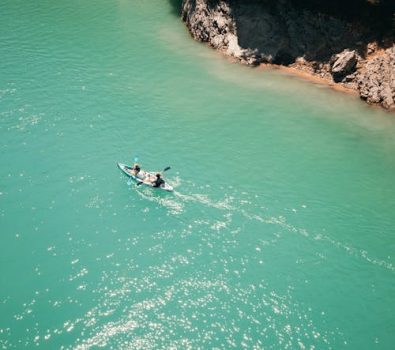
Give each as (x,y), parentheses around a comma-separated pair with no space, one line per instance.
(158,182)
(136,171)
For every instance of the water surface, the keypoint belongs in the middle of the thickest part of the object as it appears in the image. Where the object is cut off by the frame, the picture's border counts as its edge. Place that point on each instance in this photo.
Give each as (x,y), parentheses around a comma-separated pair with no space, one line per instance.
(279,234)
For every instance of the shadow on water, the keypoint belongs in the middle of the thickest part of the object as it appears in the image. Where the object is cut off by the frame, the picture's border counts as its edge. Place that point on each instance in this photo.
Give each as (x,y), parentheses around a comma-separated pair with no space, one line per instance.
(176,7)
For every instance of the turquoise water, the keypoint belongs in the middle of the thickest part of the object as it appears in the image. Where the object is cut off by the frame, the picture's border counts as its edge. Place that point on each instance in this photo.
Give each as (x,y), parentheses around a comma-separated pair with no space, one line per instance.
(280,232)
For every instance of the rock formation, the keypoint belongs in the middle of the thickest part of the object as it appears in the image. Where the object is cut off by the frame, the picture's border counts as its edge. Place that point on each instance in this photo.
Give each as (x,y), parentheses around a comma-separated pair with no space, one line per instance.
(343,64)
(279,32)
(376,79)
(212,24)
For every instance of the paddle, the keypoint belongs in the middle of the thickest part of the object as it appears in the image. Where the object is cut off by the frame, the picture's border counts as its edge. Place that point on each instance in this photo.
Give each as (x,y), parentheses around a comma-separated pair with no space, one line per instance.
(165,169)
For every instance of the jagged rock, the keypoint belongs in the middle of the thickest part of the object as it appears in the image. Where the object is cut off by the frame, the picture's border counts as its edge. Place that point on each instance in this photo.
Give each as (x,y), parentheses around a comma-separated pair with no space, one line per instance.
(344,64)
(376,81)
(211,22)
(251,57)
(233,48)
(371,48)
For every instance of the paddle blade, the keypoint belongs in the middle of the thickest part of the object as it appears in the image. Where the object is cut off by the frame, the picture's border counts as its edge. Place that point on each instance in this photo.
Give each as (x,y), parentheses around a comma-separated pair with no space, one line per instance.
(166,169)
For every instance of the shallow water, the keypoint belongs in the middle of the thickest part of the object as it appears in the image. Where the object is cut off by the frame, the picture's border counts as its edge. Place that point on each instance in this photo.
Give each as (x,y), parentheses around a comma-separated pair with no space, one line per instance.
(280,232)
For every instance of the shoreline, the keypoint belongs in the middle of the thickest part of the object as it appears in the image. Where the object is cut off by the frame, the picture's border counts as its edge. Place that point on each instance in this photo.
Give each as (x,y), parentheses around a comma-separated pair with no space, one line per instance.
(315,79)
(309,77)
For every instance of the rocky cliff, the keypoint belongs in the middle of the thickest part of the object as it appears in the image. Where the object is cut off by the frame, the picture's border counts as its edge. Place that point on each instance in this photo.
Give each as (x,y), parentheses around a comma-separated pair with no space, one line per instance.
(351,47)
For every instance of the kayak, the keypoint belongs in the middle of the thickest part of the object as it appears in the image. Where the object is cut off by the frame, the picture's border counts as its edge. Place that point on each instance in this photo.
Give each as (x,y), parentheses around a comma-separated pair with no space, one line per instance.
(126,169)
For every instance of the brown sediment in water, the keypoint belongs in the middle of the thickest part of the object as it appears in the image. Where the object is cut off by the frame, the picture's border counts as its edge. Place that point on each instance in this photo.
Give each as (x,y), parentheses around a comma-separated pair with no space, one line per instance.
(307,76)
(315,79)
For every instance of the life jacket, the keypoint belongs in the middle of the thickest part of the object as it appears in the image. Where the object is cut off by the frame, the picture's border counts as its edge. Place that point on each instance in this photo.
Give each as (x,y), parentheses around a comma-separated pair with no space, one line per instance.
(159,182)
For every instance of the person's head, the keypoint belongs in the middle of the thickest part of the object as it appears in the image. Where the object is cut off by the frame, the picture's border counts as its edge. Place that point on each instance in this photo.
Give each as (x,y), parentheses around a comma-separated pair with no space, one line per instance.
(136,166)
(158,175)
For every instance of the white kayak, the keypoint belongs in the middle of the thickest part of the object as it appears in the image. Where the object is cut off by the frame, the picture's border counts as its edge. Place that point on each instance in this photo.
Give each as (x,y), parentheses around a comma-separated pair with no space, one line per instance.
(127,170)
